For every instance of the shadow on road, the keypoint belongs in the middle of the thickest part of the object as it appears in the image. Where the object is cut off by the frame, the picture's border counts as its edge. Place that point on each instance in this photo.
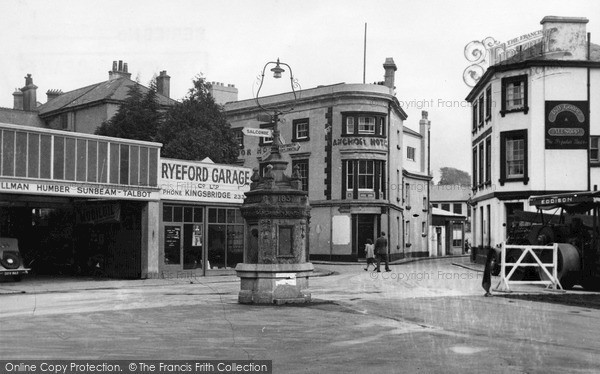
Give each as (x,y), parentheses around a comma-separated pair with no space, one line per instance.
(584,300)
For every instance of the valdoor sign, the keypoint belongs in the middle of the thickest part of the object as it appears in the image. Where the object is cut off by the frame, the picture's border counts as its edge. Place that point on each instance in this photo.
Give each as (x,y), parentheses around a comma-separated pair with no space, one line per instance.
(567,125)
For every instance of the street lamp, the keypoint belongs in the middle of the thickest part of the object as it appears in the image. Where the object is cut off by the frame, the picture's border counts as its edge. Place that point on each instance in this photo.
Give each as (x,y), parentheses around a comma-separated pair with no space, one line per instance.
(277,215)
(276,110)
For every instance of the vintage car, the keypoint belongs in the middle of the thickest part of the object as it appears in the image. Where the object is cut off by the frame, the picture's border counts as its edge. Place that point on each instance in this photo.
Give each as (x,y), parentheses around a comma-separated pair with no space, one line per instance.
(11,262)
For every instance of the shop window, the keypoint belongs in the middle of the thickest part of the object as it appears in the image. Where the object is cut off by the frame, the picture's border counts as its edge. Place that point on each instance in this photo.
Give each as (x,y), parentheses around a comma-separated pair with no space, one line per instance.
(225,238)
(594,157)
(513,156)
(514,95)
(303,171)
(300,130)
(488,103)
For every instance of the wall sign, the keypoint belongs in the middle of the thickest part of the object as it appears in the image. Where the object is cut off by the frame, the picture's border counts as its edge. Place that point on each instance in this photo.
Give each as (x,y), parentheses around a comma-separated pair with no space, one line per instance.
(83,190)
(203,181)
(567,125)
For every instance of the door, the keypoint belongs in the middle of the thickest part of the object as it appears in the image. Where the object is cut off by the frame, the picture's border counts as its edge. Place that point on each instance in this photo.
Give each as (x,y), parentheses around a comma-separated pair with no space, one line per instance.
(365,229)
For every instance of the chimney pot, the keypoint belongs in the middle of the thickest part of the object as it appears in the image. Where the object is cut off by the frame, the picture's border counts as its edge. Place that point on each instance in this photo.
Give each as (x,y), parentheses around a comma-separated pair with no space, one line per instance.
(114,68)
(125,67)
(120,65)
(163,84)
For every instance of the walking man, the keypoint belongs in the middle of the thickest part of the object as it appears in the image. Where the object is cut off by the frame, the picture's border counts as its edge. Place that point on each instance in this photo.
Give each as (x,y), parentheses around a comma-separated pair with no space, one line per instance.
(381,245)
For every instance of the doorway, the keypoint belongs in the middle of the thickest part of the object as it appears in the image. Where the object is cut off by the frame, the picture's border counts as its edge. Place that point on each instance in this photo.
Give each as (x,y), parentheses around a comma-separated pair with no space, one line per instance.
(364,226)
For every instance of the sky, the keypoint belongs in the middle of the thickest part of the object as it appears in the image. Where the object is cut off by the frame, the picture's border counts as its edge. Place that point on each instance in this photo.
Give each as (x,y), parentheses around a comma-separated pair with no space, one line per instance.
(71,44)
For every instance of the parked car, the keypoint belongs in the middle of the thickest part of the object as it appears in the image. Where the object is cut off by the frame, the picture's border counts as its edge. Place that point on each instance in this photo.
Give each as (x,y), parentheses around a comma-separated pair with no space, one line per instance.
(11,262)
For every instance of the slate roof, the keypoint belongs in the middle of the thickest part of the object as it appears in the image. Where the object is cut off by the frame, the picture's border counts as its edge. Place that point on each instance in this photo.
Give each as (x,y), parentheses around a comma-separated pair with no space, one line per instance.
(111,90)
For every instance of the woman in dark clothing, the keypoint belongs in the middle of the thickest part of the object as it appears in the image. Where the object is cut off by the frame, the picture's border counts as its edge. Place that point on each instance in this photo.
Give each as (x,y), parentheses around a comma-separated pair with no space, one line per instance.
(487,271)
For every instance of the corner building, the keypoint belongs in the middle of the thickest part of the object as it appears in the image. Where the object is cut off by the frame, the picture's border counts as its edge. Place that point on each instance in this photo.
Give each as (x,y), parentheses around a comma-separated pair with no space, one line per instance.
(535,127)
(347,142)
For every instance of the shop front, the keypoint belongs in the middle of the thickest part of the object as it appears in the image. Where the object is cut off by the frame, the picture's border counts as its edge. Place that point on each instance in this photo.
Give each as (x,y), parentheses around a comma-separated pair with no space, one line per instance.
(202,230)
(79,204)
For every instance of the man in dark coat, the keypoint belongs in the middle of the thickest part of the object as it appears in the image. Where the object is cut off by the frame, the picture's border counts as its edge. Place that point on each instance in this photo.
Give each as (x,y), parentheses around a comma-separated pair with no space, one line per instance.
(381,245)
(486,283)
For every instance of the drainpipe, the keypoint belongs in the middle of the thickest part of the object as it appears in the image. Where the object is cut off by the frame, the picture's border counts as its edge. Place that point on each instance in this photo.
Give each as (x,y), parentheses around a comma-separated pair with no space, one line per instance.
(589,178)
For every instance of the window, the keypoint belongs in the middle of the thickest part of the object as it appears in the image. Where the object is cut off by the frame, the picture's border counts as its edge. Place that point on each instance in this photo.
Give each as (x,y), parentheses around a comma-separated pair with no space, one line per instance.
(424,228)
(481,164)
(407,194)
(300,130)
(457,234)
(368,124)
(514,95)
(594,157)
(475,114)
(303,170)
(366,174)
(457,208)
(364,178)
(239,137)
(425,207)
(488,160)
(474,167)
(481,108)
(265,140)
(407,233)
(488,103)
(513,156)
(349,125)
(446,207)
(410,153)
(434,205)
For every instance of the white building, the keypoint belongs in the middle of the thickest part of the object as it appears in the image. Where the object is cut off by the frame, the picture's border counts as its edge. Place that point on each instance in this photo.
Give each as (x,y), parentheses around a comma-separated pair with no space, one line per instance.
(535,127)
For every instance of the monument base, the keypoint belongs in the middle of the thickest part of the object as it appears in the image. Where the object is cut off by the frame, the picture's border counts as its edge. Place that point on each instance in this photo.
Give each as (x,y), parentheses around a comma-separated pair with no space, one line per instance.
(274,283)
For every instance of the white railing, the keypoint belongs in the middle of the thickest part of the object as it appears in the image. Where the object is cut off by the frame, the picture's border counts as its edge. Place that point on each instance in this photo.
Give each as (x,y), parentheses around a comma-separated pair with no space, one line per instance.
(551,281)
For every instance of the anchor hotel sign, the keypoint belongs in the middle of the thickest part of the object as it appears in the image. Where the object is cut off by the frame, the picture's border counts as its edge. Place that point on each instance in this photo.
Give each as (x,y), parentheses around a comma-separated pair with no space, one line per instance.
(567,125)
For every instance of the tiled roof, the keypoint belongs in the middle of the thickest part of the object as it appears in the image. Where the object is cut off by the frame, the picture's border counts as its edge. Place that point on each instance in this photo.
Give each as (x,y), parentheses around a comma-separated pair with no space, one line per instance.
(449,193)
(114,90)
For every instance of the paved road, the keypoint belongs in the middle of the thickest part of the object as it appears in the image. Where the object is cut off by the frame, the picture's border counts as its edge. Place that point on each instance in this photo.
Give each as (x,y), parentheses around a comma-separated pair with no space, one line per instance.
(427,316)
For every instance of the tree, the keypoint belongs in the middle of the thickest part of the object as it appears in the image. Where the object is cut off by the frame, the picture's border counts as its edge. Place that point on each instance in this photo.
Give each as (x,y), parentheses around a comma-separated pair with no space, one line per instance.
(452,176)
(197,128)
(138,116)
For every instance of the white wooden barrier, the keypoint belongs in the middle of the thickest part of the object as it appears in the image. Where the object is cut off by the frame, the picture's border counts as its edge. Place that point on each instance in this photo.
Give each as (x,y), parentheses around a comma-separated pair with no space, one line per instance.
(551,282)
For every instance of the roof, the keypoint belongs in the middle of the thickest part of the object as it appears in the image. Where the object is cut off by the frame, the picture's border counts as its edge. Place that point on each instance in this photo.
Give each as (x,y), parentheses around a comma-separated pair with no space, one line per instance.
(20,117)
(451,192)
(112,90)
(408,130)
(444,213)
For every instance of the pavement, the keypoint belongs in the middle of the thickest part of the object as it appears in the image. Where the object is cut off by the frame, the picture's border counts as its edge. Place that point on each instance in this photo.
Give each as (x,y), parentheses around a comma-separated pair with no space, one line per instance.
(424,316)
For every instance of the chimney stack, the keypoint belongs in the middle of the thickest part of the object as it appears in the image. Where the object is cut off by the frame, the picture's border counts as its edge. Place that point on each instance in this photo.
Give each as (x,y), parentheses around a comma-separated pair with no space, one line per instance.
(565,36)
(223,94)
(163,84)
(18,99)
(119,71)
(53,94)
(29,94)
(390,73)
(424,127)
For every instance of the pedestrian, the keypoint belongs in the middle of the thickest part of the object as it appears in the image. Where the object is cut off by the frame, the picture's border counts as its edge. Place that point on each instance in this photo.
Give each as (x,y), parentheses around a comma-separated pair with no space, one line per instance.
(486,283)
(370,250)
(381,245)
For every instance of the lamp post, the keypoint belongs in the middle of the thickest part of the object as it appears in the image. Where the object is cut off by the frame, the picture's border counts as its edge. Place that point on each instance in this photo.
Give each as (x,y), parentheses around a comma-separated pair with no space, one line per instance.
(277,214)
(276,110)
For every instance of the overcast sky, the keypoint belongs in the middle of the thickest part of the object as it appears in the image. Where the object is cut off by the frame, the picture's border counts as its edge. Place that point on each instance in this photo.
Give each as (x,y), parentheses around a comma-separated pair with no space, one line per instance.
(70,44)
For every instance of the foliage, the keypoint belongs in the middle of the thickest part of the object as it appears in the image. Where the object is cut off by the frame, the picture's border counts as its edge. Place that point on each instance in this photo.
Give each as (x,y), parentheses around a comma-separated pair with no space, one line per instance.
(138,116)
(197,128)
(452,176)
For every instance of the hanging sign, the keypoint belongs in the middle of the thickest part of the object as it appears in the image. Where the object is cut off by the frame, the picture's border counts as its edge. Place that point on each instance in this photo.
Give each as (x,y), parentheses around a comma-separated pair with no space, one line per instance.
(567,125)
